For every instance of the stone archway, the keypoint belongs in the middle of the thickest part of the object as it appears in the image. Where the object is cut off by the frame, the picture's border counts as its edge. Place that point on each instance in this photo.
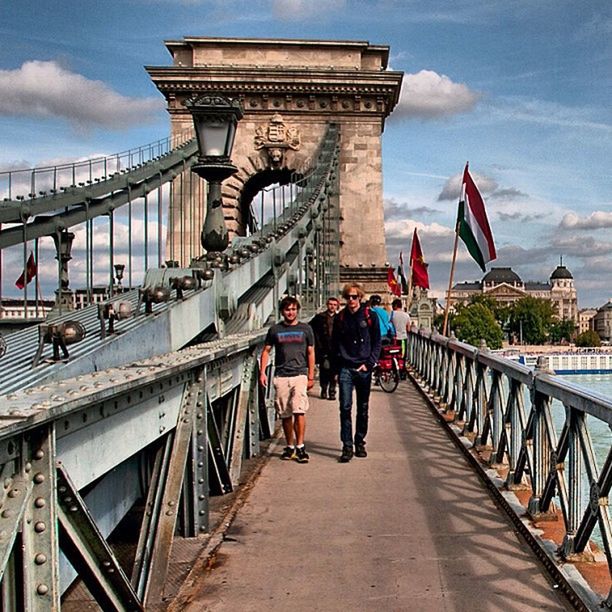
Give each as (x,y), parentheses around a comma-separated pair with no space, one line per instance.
(290,91)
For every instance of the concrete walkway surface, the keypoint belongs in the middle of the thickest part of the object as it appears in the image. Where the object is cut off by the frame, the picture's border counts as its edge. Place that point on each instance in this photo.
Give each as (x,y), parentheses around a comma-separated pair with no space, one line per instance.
(410,527)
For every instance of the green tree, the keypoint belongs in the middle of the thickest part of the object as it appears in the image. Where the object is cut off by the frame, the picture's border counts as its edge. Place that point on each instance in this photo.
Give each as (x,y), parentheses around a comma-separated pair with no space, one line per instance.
(531,319)
(562,330)
(500,311)
(475,322)
(588,338)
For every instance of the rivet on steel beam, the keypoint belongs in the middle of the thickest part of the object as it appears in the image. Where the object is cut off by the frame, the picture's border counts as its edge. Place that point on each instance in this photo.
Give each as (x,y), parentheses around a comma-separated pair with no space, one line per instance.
(171,503)
(39,502)
(61,489)
(39,454)
(200,481)
(169,512)
(42,589)
(39,478)
(199,415)
(73,509)
(200,464)
(202,528)
(40,559)
(27,467)
(202,512)
(39,527)
(202,497)
(7,513)
(14,492)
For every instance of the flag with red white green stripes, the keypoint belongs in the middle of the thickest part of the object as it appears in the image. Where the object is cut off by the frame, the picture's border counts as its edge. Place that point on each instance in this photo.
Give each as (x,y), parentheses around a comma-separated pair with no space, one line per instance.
(472,223)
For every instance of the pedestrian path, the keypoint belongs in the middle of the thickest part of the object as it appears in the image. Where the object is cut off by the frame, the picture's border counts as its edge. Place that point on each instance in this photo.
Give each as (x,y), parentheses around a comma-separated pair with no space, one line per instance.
(410,527)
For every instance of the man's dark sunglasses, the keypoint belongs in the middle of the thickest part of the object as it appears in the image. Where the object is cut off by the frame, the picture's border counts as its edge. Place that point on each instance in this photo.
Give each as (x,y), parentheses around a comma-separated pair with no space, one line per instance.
(352,297)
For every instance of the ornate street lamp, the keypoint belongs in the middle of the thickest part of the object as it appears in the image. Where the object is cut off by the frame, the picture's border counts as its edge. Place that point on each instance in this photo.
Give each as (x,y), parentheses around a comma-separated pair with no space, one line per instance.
(63,248)
(215,118)
(119,270)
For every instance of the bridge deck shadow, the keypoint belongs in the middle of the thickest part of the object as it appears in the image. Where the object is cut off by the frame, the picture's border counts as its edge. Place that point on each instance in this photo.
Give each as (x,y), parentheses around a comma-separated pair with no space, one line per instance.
(410,527)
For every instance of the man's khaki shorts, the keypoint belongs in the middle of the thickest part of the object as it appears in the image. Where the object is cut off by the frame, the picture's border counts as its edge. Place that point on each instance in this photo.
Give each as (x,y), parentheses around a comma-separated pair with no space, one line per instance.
(291,395)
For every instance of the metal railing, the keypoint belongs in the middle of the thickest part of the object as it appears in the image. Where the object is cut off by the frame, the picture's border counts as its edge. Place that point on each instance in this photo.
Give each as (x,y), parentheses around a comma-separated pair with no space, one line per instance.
(32,183)
(535,426)
(123,218)
(168,431)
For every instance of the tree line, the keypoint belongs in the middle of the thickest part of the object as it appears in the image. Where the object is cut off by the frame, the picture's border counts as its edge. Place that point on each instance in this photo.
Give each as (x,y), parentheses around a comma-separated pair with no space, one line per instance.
(529,320)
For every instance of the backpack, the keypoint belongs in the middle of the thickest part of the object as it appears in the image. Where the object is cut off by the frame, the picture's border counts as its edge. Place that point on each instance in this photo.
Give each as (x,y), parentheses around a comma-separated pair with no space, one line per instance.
(366,313)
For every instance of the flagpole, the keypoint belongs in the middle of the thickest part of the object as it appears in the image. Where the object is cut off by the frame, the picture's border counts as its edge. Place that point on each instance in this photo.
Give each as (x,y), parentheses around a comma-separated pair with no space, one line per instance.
(409,300)
(450,280)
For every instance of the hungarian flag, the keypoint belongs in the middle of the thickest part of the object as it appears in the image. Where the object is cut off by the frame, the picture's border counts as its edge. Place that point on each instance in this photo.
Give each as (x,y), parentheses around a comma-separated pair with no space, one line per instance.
(393,284)
(401,274)
(420,278)
(472,223)
(28,274)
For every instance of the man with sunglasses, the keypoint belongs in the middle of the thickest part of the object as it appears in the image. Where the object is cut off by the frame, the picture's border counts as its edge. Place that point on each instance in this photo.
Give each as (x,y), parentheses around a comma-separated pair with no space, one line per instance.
(355,350)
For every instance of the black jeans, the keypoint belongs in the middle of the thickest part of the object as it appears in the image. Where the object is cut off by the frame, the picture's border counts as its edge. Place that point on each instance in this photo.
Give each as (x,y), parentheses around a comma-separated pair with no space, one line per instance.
(348,380)
(327,378)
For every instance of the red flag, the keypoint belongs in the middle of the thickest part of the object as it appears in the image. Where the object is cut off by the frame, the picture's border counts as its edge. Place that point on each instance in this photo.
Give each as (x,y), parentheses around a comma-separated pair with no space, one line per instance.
(393,284)
(28,274)
(420,278)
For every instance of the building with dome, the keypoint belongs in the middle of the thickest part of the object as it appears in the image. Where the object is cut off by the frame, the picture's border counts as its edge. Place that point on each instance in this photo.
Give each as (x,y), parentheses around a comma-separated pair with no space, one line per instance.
(505,286)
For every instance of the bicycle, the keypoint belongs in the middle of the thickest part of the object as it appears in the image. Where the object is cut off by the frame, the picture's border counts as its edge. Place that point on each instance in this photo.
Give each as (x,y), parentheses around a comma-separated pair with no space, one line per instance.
(387,370)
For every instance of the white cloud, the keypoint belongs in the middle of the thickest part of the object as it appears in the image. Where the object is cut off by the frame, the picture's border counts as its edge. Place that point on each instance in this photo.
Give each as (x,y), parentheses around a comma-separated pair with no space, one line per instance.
(46,89)
(296,10)
(452,187)
(429,95)
(596,220)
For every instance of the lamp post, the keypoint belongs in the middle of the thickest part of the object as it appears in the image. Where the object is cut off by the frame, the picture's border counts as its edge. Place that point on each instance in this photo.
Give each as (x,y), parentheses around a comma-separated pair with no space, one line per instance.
(119,269)
(215,118)
(63,248)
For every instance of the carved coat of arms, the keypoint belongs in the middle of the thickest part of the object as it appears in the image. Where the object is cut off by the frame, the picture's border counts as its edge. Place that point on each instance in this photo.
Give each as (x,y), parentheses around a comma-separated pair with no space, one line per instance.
(276,138)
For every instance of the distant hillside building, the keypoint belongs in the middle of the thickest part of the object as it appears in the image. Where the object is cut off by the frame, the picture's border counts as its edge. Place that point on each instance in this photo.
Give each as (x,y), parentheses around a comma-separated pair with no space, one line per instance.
(585,319)
(505,286)
(602,322)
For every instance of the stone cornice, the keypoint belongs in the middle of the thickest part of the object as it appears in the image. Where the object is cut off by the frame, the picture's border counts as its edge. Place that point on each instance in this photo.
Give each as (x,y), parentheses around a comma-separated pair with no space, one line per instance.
(292,89)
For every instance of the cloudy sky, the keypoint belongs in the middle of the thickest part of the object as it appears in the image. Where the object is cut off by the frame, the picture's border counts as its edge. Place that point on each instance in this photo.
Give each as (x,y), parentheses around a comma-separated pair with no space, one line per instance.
(520,88)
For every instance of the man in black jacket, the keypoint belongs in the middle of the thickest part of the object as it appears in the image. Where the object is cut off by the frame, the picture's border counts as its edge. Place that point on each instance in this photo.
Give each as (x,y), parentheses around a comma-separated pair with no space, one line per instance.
(322,324)
(355,349)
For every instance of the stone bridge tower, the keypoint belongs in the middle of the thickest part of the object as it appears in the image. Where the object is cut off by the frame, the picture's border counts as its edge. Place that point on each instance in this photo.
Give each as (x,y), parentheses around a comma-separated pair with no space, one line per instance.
(290,91)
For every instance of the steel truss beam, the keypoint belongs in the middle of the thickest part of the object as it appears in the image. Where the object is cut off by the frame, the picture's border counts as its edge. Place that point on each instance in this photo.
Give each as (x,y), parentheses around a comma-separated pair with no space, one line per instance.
(88,552)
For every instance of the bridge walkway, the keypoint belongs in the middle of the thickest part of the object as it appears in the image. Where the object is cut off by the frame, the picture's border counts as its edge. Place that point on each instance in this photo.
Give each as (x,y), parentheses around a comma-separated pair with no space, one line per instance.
(410,527)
